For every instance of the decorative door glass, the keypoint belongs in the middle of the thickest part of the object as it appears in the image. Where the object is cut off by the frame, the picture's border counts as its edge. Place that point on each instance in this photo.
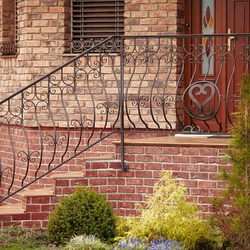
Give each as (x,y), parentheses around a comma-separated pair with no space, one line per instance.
(207,42)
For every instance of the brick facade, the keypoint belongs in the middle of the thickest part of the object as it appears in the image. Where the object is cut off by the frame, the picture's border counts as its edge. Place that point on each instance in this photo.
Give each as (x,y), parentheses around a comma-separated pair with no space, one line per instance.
(44,26)
(154,17)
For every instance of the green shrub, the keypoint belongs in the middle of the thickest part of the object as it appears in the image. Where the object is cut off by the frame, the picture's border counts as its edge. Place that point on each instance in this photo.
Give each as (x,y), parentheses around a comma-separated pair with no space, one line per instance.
(167,215)
(84,212)
(86,242)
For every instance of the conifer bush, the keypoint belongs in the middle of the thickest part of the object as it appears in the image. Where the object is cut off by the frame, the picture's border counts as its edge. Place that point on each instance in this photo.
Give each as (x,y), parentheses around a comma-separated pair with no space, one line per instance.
(232,209)
(84,212)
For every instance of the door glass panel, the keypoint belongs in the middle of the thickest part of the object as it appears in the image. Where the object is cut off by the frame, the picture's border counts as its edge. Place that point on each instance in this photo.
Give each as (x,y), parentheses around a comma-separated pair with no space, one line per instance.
(207,42)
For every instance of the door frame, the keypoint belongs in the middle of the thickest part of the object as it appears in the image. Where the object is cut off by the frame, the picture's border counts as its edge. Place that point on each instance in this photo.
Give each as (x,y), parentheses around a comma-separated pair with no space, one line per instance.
(194,26)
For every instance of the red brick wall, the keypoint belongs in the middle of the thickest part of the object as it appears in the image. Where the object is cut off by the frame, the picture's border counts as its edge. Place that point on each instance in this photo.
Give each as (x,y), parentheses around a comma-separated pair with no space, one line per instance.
(197,167)
(21,143)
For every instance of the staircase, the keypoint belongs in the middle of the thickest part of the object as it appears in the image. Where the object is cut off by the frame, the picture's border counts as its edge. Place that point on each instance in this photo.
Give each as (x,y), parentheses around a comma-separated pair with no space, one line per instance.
(36,205)
(81,107)
(195,161)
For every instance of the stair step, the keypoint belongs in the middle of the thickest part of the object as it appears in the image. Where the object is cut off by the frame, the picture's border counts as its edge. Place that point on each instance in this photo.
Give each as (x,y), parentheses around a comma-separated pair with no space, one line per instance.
(99,158)
(68,175)
(38,192)
(12,209)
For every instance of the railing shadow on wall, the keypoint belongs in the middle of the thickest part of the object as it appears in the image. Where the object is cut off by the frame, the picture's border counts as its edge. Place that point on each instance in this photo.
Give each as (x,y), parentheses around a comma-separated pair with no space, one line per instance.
(159,84)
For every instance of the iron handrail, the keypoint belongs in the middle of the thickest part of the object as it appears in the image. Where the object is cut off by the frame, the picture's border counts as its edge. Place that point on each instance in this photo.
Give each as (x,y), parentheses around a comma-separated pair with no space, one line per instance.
(122,85)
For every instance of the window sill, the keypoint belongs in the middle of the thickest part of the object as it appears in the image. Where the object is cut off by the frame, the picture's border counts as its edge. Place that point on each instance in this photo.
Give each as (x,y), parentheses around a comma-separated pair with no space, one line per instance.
(8,56)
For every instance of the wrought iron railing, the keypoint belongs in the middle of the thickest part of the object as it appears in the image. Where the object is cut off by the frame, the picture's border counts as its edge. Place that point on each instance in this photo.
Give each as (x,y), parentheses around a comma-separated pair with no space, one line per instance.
(159,84)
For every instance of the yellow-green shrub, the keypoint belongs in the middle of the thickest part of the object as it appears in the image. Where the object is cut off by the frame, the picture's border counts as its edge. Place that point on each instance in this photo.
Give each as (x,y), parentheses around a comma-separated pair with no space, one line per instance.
(167,214)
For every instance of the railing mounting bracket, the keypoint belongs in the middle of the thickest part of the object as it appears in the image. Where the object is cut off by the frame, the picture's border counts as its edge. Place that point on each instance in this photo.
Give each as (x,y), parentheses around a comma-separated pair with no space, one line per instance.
(125,168)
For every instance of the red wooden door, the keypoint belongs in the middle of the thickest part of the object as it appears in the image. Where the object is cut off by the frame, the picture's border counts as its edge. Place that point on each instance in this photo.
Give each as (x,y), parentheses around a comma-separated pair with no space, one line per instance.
(217,79)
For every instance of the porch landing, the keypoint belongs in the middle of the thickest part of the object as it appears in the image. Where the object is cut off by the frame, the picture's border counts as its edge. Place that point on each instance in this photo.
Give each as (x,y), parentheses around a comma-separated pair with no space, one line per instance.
(181,140)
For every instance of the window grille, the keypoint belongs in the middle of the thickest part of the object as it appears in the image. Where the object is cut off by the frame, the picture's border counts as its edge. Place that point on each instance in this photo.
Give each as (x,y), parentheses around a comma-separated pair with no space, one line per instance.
(94,20)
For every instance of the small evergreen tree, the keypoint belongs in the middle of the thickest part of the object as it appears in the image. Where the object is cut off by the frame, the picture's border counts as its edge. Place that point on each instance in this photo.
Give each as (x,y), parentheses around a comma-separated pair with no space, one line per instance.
(234,220)
(84,212)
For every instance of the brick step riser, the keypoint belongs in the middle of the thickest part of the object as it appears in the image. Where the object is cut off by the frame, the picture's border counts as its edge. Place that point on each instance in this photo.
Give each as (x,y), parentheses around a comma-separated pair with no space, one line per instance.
(197,167)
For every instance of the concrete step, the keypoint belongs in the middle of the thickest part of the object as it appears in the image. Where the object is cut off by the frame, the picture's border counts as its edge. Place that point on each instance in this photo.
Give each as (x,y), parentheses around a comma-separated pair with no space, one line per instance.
(68,175)
(37,192)
(12,209)
(100,158)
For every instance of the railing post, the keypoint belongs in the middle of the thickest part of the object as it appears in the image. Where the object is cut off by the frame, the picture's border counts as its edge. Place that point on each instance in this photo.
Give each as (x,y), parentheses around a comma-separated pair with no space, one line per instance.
(122,100)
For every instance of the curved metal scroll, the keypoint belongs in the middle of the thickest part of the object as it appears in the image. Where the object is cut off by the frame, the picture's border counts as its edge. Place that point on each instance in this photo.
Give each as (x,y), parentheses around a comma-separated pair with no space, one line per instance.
(201,100)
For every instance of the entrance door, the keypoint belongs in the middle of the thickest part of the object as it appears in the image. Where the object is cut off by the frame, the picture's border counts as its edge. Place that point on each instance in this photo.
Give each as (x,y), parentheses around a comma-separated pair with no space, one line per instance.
(216,64)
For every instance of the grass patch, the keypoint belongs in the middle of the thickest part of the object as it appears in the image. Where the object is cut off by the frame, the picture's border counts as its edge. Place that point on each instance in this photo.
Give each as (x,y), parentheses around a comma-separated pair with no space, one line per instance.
(21,238)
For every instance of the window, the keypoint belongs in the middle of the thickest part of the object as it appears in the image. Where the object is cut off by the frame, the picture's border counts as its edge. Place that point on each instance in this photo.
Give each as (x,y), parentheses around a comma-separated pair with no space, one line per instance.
(8,45)
(94,20)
